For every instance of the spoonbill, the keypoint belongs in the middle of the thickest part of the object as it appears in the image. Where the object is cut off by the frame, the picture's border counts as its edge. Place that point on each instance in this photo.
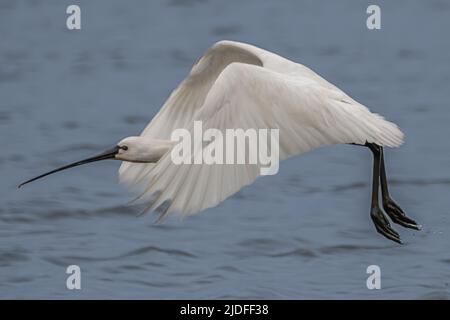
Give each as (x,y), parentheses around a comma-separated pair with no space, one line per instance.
(238,85)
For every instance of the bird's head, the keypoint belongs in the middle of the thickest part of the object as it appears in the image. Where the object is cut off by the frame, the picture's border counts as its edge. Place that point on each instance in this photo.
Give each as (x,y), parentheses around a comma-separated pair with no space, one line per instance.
(132,149)
(140,149)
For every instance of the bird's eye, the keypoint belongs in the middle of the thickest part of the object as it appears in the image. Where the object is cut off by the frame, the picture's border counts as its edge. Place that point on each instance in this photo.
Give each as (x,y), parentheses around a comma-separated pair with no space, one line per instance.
(125,148)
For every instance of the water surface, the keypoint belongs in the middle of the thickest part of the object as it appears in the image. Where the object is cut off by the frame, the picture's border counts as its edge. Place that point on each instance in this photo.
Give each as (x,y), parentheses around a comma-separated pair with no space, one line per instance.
(304,233)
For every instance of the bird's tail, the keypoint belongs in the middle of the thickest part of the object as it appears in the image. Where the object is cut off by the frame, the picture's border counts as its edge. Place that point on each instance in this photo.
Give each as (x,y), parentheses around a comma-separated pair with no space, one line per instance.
(384,133)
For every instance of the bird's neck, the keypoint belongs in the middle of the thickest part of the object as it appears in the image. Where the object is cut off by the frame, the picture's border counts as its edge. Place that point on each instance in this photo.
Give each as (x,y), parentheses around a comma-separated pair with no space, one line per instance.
(156,149)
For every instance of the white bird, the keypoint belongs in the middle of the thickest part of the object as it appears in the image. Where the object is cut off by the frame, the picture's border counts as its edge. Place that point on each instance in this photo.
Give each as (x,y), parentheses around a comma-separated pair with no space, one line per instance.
(237,85)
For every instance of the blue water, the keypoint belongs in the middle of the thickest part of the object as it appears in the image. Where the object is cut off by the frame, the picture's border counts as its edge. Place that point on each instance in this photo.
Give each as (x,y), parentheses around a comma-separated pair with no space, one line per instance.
(304,233)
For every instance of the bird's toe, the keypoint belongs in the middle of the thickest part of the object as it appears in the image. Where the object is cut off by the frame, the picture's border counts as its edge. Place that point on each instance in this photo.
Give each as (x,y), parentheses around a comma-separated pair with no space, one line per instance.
(383,226)
(398,216)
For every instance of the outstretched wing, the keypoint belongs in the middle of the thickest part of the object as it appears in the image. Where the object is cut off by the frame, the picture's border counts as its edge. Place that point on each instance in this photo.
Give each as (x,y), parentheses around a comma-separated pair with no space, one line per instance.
(179,109)
(307,113)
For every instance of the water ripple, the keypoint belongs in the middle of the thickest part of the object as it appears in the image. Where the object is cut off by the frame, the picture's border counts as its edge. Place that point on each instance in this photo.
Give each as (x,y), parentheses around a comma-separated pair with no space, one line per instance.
(67,260)
(8,258)
(301,252)
(173,252)
(348,248)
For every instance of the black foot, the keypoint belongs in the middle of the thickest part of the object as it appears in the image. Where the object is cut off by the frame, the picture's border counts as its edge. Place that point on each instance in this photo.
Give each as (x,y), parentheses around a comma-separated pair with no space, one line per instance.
(382,225)
(398,216)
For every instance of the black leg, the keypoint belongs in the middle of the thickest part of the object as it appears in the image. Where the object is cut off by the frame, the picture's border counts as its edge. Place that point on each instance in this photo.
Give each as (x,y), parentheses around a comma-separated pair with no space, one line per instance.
(390,207)
(382,224)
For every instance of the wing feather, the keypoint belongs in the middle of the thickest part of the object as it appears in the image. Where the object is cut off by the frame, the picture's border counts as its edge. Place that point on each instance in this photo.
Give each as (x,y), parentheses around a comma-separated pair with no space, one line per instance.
(179,109)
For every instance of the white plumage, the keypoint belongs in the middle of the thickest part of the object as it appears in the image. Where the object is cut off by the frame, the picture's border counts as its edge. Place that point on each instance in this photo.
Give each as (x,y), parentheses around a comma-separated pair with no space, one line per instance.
(237,85)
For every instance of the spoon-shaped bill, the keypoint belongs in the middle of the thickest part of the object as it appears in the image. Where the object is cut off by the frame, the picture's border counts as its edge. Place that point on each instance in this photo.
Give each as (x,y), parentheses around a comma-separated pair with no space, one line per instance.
(108,154)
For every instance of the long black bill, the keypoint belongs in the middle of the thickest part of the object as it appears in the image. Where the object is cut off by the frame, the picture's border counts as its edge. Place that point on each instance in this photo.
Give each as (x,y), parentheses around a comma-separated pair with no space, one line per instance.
(108,154)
